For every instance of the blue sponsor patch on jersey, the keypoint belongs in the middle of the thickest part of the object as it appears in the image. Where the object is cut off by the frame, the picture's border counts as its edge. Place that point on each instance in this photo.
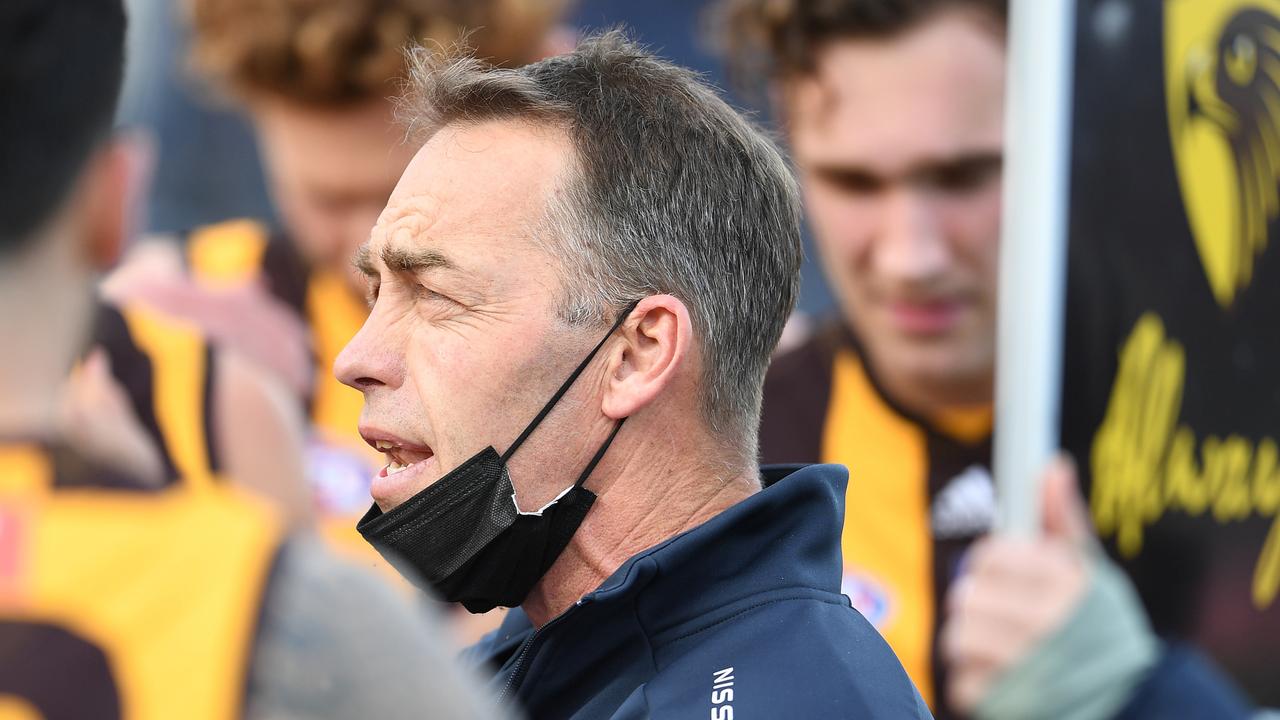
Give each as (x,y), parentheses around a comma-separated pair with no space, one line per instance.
(868,597)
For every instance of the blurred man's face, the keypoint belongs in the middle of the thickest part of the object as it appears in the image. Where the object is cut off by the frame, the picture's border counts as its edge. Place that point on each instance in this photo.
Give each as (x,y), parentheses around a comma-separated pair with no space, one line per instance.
(463,345)
(898,143)
(331,172)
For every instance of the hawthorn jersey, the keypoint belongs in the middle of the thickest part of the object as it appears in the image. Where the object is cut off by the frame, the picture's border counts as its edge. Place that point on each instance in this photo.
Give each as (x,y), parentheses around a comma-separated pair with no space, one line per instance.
(240,251)
(166,368)
(919,491)
(340,465)
(123,602)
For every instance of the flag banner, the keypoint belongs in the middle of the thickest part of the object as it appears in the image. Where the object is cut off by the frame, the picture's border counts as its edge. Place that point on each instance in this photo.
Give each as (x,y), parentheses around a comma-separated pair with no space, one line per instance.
(1171,363)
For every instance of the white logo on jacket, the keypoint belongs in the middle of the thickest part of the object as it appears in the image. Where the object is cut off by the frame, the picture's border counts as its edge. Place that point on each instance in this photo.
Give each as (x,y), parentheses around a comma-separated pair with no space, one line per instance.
(722,694)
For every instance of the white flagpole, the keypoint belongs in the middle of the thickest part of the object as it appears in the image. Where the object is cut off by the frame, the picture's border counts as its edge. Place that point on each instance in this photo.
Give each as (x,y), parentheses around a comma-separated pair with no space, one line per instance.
(1033,253)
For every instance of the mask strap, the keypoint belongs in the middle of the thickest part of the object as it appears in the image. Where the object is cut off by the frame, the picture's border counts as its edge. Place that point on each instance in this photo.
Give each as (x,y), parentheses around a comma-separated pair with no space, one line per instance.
(599,454)
(564,387)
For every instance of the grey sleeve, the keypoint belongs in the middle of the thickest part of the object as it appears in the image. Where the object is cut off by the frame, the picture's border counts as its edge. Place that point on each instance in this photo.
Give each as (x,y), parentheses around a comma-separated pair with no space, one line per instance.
(1089,668)
(335,641)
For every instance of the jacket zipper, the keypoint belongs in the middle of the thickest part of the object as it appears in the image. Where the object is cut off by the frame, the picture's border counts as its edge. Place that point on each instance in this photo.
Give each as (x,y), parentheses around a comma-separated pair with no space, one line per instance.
(519,669)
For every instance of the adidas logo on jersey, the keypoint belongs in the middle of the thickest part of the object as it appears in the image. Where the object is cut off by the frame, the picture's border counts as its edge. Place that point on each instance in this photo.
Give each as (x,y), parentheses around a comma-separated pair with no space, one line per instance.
(966,506)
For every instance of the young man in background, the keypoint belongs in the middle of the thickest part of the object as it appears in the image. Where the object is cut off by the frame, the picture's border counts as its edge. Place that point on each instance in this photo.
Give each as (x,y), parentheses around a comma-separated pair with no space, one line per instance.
(893,110)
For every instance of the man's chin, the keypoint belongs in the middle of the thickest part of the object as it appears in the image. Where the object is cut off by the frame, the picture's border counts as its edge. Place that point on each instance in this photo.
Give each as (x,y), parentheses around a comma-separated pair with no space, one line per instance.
(953,367)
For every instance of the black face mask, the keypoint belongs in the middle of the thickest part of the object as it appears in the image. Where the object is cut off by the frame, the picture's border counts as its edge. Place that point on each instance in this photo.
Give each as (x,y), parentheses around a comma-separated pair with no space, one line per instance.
(463,535)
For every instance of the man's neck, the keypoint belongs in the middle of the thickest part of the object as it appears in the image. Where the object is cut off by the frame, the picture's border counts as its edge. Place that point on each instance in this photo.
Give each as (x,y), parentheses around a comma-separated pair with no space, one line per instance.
(44,316)
(27,418)
(641,505)
(32,375)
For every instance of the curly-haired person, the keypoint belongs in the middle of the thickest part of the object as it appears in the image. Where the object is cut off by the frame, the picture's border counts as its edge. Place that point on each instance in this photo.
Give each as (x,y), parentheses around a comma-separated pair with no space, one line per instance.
(316,80)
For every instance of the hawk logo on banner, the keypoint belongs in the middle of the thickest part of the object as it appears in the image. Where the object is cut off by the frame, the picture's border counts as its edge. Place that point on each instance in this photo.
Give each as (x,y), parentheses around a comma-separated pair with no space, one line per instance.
(1222,78)
(1222,71)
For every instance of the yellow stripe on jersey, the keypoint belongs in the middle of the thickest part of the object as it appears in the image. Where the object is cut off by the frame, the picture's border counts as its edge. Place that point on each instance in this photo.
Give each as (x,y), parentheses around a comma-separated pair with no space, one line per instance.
(12,708)
(178,362)
(886,529)
(168,586)
(969,425)
(335,315)
(24,470)
(228,253)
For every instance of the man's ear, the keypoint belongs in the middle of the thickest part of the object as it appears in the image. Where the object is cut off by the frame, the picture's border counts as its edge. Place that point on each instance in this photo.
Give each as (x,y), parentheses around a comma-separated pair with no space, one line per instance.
(657,339)
(115,186)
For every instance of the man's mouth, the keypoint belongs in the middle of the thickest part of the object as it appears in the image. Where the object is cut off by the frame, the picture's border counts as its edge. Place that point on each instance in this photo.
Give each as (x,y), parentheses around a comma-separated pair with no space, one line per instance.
(925,317)
(400,454)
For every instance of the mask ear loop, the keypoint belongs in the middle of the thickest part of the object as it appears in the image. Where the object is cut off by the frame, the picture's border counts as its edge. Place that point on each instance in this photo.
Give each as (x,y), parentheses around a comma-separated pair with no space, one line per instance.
(586,473)
(564,388)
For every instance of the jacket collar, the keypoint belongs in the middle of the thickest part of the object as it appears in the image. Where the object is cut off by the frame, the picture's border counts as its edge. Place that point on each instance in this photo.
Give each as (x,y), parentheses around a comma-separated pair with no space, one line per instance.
(783,538)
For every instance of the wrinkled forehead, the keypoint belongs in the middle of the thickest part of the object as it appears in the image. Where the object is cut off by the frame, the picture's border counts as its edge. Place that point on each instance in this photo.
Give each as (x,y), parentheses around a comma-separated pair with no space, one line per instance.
(934,91)
(489,180)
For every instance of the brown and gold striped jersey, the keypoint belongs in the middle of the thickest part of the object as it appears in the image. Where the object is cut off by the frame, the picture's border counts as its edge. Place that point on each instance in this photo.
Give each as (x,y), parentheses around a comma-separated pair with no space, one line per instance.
(919,491)
(119,601)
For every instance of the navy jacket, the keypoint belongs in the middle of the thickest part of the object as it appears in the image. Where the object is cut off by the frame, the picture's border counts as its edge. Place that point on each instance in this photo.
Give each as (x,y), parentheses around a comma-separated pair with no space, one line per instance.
(741,617)
(1184,685)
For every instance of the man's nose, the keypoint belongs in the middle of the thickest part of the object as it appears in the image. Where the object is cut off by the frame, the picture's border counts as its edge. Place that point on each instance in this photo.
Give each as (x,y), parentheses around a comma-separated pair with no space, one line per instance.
(369,360)
(912,245)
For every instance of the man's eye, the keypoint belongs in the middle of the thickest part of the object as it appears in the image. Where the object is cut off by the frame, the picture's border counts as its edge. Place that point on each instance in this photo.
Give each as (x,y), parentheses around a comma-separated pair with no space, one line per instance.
(422,292)
(965,177)
(371,293)
(852,182)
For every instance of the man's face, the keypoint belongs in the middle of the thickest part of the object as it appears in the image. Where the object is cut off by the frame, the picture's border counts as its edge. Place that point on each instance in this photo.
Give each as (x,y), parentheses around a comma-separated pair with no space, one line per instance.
(463,345)
(898,144)
(331,172)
